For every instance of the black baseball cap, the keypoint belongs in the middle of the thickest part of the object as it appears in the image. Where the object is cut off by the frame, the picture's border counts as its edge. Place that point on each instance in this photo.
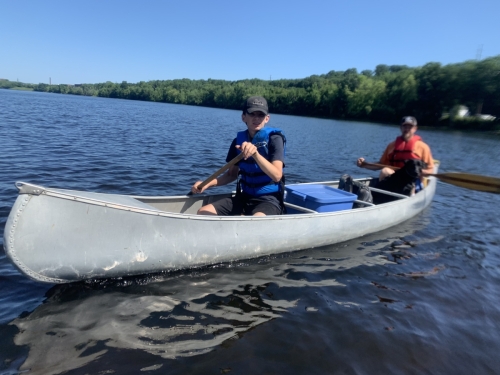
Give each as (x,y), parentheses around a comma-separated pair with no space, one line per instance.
(256,103)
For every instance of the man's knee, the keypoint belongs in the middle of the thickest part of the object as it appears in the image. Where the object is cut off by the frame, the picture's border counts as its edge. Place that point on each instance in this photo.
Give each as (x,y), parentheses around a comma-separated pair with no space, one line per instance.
(209,209)
(385,172)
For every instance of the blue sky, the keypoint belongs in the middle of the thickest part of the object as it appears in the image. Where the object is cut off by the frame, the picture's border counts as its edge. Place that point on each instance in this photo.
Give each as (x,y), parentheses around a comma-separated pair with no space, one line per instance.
(92,41)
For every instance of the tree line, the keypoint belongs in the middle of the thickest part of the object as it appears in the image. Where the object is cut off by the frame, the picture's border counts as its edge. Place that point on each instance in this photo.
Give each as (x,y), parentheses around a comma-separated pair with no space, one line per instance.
(431,93)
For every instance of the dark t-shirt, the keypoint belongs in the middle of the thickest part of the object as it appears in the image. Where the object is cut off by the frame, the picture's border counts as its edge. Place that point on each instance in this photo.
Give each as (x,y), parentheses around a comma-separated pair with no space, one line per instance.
(276,151)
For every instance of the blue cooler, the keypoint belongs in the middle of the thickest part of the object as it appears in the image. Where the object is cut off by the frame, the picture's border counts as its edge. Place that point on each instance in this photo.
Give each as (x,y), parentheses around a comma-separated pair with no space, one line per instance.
(320,198)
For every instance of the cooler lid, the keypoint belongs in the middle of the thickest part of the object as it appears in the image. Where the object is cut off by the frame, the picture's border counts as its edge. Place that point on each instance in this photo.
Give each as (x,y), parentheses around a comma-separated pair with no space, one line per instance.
(320,193)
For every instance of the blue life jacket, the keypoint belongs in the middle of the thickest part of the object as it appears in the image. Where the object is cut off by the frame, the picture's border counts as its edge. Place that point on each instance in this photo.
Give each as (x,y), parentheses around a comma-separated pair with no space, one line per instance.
(253,180)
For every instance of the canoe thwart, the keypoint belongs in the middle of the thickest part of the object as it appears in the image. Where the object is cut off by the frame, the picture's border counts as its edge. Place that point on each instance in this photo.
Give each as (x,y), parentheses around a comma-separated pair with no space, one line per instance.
(401,196)
(363,203)
(299,208)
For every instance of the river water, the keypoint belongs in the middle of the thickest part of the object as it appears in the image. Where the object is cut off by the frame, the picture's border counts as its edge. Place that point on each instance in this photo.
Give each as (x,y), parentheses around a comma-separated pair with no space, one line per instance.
(419,298)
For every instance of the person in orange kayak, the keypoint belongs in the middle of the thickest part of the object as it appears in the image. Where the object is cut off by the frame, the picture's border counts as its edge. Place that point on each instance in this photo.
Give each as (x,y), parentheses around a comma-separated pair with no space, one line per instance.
(406,146)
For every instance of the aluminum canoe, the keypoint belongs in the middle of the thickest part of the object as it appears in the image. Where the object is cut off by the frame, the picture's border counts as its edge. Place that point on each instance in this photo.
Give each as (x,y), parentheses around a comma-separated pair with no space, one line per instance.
(60,236)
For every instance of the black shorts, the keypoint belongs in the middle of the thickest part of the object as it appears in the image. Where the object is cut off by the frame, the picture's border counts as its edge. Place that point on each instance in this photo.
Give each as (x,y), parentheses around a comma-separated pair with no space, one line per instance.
(248,205)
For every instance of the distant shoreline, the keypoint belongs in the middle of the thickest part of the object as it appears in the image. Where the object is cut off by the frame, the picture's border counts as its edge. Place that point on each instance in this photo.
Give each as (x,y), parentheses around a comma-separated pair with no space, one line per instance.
(494,132)
(461,96)
(21,88)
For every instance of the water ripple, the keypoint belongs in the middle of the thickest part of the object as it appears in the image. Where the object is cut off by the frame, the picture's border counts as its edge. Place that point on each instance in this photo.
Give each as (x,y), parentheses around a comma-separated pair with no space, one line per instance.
(421,297)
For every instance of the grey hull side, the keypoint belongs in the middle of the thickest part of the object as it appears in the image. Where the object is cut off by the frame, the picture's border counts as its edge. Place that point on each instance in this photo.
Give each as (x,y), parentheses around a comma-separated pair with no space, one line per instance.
(60,236)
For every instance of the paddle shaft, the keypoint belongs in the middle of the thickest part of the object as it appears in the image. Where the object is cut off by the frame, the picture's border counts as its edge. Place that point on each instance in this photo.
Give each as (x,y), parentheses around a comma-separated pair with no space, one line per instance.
(396,168)
(221,170)
(465,180)
(225,167)
(366,164)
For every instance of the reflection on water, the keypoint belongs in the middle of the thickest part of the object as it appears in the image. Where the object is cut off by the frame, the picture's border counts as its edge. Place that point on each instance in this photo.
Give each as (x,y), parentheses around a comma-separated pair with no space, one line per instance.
(410,298)
(182,314)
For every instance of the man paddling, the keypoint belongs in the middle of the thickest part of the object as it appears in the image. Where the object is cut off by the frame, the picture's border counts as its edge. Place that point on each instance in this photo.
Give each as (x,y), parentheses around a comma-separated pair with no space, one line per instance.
(261,183)
(407,146)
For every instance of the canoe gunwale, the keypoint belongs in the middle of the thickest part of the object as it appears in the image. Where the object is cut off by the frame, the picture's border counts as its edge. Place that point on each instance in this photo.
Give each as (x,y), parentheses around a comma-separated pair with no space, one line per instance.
(31,189)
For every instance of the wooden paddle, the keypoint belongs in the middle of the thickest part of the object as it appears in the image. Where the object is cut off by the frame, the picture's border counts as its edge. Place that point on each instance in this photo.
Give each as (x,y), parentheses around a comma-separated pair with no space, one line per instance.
(225,168)
(219,172)
(465,180)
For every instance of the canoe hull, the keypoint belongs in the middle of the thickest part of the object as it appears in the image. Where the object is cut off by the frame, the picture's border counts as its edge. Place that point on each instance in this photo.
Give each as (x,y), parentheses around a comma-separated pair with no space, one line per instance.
(61,236)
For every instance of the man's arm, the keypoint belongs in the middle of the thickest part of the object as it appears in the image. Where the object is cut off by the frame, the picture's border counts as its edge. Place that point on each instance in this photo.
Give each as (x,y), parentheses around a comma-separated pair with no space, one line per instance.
(272,167)
(273,170)
(426,156)
(384,159)
(229,176)
(276,158)
(360,163)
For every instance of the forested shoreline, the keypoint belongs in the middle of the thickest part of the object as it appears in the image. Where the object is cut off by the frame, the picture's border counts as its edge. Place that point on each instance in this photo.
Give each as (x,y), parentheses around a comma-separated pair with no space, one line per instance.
(433,93)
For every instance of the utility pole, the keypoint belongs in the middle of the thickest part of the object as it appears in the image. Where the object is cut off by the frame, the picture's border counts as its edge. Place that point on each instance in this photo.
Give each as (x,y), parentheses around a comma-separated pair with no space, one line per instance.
(479,52)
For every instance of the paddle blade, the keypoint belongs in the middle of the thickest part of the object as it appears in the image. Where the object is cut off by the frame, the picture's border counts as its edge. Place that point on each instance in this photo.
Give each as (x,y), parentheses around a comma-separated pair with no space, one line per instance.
(471,181)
